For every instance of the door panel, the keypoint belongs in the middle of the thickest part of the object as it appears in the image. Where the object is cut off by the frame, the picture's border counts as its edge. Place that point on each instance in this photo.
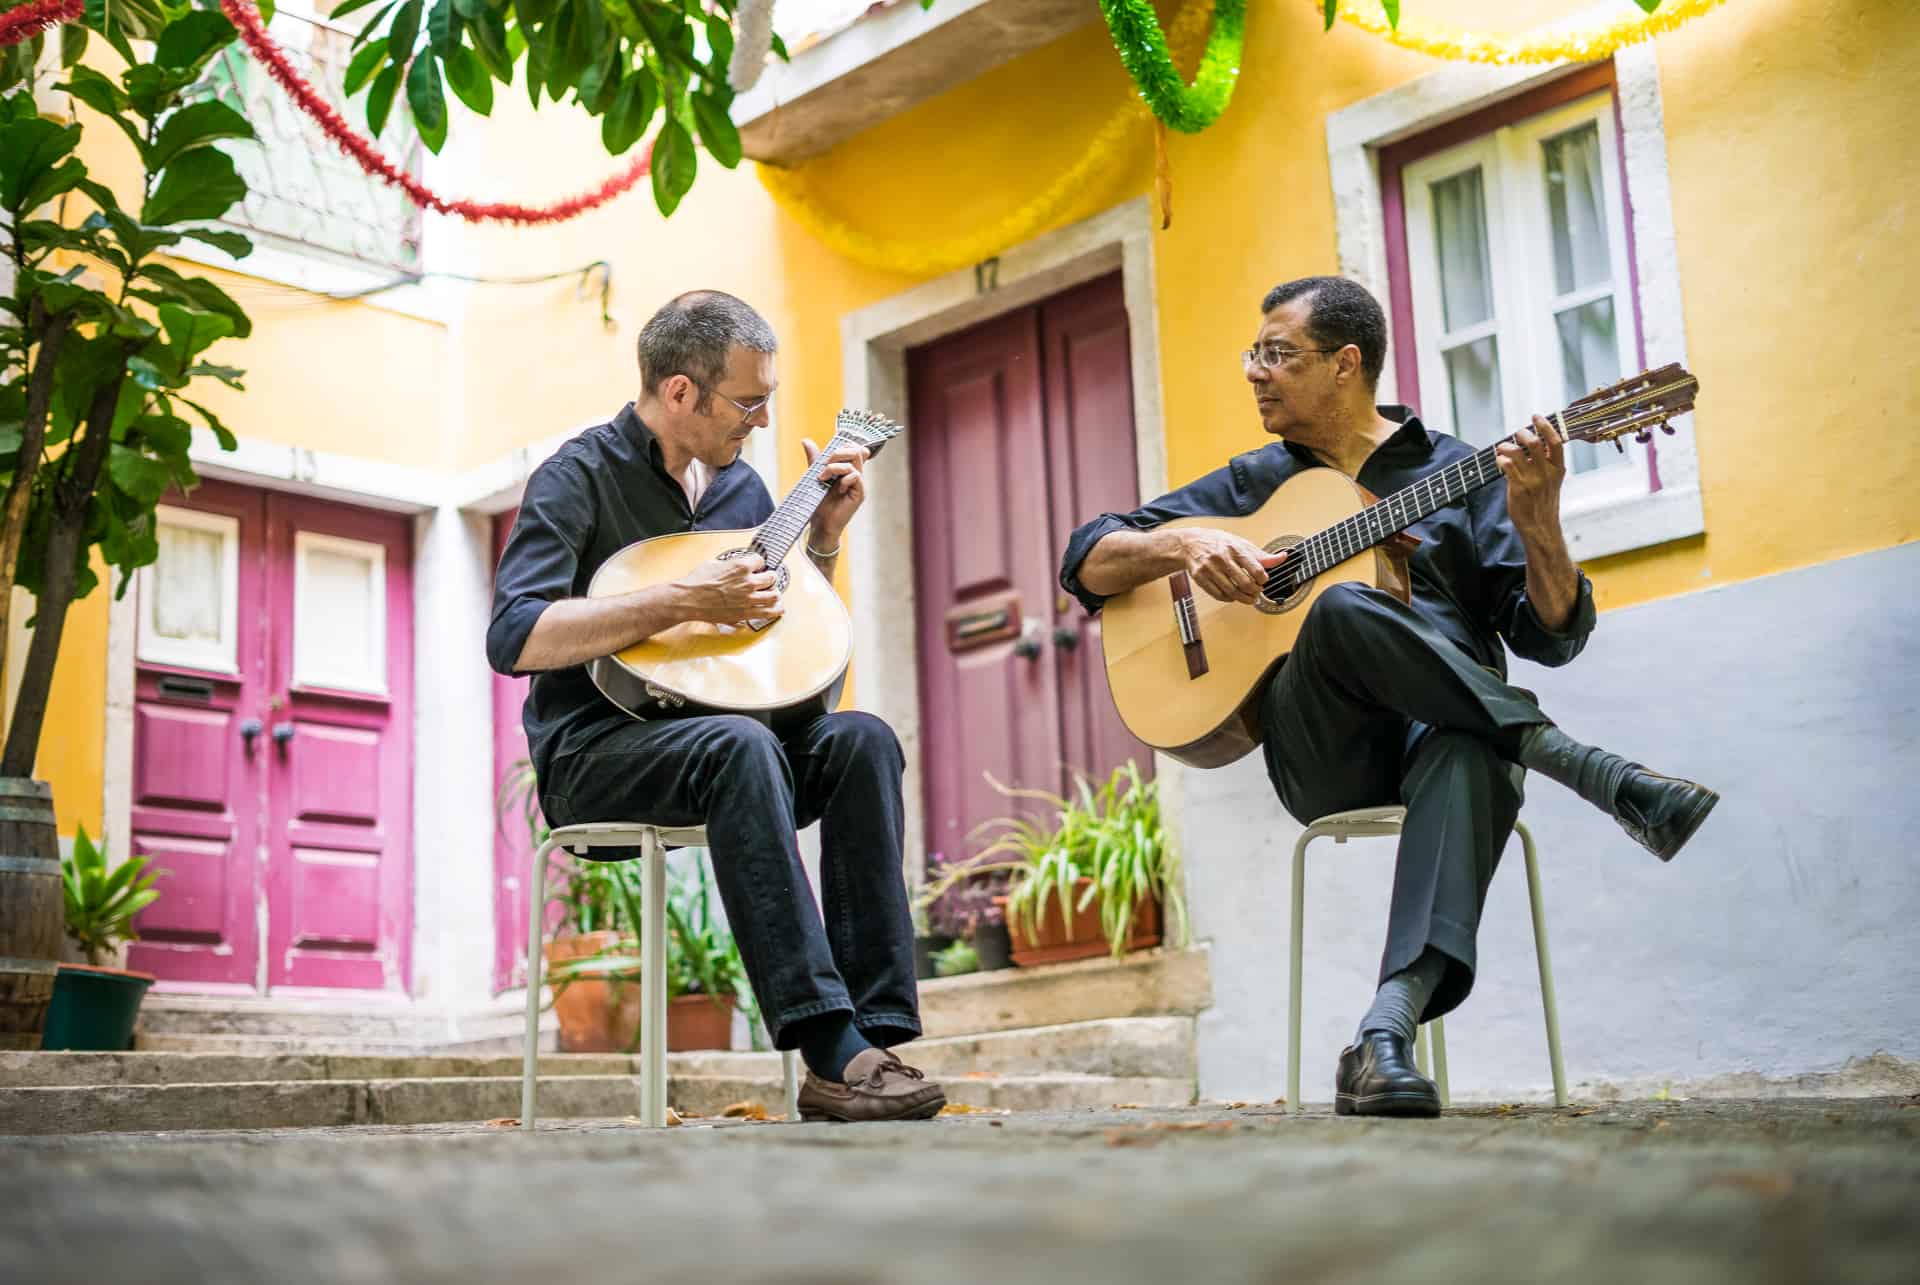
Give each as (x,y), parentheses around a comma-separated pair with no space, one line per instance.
(340,815)
(512,844)
(980,530)
(1091,469)
(197,796)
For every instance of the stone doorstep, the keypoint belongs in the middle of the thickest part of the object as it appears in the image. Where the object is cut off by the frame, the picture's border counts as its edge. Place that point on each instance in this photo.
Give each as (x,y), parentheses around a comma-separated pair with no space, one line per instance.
(1153,1047)
(334,1103)
(1146,983)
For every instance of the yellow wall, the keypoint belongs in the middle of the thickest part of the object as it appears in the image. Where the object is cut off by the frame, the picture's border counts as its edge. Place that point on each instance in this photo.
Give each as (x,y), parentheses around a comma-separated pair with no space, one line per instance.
(1792,153)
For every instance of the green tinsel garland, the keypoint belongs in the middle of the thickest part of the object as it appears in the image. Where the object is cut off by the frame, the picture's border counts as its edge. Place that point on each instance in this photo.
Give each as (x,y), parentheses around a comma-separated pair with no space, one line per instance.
(1143,52)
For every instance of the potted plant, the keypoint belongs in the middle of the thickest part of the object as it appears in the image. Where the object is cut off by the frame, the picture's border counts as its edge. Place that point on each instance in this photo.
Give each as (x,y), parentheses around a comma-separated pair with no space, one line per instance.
(956,959)
(1103,865)
(592,949)
(95,1006)
(968,908)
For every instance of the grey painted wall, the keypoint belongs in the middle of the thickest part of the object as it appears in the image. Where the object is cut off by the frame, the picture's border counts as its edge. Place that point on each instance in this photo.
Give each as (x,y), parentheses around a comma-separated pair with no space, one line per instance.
(1781,941)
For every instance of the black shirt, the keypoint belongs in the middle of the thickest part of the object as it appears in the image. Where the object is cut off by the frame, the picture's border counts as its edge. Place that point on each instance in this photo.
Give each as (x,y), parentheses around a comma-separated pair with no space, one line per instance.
(603,490)
(1469,574)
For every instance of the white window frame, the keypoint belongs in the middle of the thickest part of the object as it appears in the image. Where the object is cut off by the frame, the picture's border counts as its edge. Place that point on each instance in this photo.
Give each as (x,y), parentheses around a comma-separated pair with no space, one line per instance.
(1356,134)
(1519,236)
(310,671)
(222,657)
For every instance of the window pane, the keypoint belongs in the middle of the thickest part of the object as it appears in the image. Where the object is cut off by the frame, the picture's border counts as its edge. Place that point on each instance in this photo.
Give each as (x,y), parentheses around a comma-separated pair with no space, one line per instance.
(1473,376)
(1589,358)
(1575,192)
(340,638)
(189,584)
(1460,238)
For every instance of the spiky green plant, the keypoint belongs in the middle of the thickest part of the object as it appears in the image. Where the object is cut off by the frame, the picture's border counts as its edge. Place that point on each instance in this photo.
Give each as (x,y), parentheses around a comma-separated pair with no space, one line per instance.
(101,903)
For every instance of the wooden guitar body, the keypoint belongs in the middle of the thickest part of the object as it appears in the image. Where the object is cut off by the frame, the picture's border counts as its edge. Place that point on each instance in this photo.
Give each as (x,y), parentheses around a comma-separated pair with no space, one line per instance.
(792,667)
(1211,717)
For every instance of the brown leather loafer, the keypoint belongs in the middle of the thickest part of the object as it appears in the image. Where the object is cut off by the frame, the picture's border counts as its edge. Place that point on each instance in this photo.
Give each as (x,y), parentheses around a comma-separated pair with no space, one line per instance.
(879,1087)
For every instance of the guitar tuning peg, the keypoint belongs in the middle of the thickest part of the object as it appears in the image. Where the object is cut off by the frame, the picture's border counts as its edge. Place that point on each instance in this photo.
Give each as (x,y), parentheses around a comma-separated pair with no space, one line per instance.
(1666,428)
(1643,436)
(1620,446)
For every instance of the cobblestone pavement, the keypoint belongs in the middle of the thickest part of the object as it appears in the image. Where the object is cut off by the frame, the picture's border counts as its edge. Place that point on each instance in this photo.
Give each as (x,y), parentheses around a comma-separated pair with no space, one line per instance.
(1794,1190)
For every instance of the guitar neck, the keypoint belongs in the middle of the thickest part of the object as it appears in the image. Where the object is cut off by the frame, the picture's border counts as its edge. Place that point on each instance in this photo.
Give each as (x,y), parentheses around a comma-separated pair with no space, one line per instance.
(776,536)
(1386,518)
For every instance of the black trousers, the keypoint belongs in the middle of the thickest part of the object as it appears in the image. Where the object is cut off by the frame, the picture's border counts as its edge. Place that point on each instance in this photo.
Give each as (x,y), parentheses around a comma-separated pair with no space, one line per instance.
(752,788)
(1375,707)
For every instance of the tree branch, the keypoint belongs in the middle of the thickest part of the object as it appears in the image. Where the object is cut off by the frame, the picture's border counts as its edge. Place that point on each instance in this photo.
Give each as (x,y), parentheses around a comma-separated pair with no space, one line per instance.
(33,437)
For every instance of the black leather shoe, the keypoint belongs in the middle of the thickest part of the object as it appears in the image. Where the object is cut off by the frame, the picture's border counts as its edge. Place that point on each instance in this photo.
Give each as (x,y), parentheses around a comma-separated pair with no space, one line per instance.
(1377,1077)
(1662,812)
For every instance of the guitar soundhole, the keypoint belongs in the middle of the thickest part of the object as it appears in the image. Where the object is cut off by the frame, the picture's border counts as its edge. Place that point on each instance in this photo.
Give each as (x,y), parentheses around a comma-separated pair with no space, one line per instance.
(781,576)
(1290,592)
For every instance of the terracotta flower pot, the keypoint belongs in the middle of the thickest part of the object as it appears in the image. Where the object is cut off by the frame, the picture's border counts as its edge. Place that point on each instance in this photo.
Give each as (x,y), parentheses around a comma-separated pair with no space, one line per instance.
(1055,945)
(598,1015)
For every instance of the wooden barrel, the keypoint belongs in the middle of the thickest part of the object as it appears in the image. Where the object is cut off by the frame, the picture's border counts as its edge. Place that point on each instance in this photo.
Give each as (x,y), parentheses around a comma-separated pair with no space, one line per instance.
(32,917)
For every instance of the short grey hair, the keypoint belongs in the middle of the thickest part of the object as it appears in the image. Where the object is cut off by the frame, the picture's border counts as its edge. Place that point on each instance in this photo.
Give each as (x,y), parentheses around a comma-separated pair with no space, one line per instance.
(692,334)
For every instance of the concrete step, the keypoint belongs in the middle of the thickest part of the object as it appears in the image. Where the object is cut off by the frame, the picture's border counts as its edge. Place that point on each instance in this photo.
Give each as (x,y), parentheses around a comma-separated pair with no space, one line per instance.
(1149,983)
(1154,1047)
(275,1104)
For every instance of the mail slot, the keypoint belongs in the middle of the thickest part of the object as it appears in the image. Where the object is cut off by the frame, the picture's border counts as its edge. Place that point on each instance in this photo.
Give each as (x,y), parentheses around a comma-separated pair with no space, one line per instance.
(983,621)
(186,689)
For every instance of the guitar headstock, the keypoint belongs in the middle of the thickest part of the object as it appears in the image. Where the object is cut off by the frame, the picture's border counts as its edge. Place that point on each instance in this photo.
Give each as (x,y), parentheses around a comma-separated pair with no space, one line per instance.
(1636,405)
(867,428)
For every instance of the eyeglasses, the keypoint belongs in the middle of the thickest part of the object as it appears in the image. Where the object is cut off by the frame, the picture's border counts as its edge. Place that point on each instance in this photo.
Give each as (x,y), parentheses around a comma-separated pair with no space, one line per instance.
(747,409)
(1266,356)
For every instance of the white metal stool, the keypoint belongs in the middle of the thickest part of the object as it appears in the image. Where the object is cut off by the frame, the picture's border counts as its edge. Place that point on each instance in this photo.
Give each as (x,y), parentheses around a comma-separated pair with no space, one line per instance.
(653,842)
(1369,822)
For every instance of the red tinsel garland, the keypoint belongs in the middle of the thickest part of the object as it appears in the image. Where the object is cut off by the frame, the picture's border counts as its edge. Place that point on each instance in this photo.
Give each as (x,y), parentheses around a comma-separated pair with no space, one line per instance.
(367,155)
(36,16)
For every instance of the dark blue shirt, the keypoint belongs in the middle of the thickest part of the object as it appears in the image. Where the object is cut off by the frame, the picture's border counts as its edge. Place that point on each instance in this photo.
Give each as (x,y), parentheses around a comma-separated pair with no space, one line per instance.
(1469,574)
(605,489)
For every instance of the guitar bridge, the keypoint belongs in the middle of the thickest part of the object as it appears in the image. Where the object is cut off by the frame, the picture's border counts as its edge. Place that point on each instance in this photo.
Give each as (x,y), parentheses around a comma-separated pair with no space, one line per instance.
(1186,615)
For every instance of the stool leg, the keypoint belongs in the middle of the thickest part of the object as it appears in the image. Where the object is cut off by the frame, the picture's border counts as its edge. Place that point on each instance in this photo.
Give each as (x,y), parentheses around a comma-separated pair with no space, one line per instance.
(1293,976)
(1439,1027)
(1546,964)
(653,977)
(787,1060)
(1420,1052)
(536,903)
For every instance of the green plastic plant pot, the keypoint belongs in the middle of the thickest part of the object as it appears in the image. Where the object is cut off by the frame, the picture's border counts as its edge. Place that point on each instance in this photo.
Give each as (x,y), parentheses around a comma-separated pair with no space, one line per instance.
(94,1009)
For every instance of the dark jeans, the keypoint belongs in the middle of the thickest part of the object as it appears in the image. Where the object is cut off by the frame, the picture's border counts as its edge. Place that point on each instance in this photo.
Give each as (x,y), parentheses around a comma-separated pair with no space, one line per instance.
(752,789)
(1375,707)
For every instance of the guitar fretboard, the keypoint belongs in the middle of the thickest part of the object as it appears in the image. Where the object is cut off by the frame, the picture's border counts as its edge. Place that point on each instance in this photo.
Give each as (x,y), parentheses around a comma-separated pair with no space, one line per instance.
(1384,518)
(776,536)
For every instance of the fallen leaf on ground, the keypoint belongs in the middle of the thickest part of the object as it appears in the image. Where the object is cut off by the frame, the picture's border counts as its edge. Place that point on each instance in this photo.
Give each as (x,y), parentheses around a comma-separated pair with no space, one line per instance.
(996,1124)
(1582,1111)
(1761,1182)
(1661,1124)
(963,1108)
(744,1111)
(1127,1106)
(504,1122)
(1147,1135)
(1278,1102)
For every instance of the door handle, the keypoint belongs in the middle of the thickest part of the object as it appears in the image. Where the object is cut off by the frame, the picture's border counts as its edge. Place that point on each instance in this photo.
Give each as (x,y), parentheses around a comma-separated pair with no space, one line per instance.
(1065,637)
(248,731)
(282,733)
(1027,647)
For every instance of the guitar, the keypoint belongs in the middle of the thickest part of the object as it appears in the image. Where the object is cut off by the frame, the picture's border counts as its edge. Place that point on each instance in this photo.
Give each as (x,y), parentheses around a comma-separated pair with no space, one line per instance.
(794,665)
(1186,669)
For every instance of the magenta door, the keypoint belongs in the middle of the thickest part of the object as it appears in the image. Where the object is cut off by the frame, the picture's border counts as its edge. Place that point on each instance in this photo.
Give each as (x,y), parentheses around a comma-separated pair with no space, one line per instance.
(512,843)
(273,744)
(1022,428)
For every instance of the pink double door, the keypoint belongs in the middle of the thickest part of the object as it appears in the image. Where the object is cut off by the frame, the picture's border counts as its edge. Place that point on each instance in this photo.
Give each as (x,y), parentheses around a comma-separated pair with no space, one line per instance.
(273,744)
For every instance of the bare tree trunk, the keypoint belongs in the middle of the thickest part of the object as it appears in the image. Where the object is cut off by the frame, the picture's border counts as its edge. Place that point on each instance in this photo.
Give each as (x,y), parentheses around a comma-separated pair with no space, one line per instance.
(72,496)
(19,499)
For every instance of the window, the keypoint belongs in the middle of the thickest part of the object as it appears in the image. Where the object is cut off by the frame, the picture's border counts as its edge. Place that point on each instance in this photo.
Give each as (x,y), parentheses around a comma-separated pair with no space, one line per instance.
(339,613)
(303,193)
(189,596)
(1520,281)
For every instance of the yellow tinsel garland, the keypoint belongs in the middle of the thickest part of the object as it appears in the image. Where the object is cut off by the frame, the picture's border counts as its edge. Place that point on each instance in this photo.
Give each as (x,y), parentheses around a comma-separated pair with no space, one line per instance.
(1589,45)
(792,189)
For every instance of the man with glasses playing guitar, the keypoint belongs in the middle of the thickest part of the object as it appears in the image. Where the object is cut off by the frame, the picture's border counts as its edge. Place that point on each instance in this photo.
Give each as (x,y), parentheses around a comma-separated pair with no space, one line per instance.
(840,991)
(1384,698)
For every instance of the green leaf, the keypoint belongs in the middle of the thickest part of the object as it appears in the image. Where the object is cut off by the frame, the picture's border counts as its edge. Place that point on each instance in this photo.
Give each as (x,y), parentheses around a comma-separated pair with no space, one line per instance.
(228,375)
(1392,8)
(406,29)
(469,80)
(471,10)
(1648,6)
(73,44)
(341,10)
(193,126)
(197,292)
(105,97)
(191,333)
(221,432)
(380,98)
(1332,10)
(200,184)
(29,151)
(364,63)
(144,478)
(428,100)
(189,41)
(667,31)
(716,129)
(674,165)
(599,85)
(443,28)
(490,43)
(627,119)
(373,23)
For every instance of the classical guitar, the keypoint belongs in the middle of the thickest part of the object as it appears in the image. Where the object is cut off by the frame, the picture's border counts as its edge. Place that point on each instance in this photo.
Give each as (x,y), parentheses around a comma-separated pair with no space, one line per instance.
(792,665)
(1186,669)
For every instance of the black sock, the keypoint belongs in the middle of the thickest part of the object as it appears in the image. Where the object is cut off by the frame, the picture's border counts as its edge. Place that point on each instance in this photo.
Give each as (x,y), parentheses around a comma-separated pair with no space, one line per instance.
(828,1042)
